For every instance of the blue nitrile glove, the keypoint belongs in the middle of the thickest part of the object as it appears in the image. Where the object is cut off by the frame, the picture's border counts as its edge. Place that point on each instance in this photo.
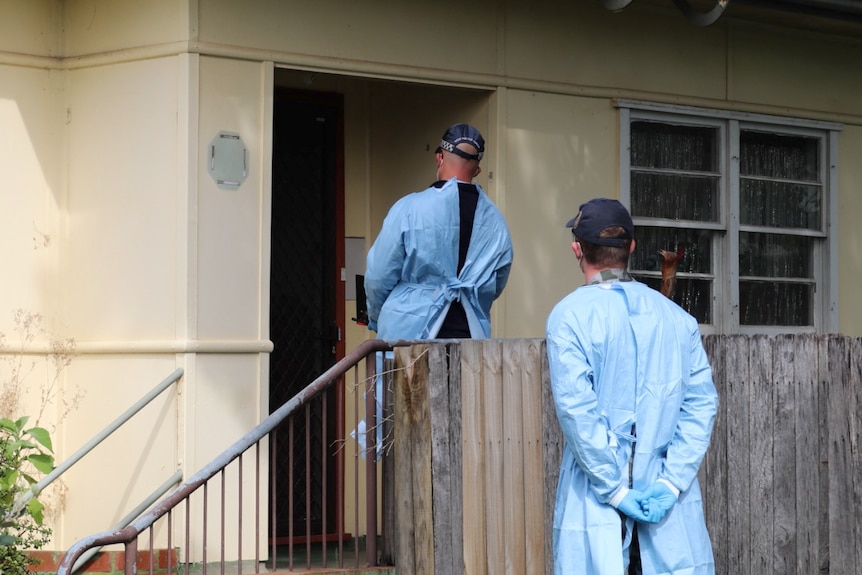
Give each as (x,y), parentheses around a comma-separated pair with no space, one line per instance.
(657,500)
(630,503)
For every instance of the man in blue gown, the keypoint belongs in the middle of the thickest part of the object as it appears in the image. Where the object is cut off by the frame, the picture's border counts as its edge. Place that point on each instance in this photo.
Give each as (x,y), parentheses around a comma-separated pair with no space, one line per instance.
(443,254)
(635,400)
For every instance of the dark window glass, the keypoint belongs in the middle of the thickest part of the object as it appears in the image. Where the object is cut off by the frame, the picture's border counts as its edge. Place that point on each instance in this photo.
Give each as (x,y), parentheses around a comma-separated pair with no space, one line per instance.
(779,156)
(693,249)
(694,296)
(774,303)
(775,255)
(675,196)
(779,204)
(692,246)
(673,147)
(674,172)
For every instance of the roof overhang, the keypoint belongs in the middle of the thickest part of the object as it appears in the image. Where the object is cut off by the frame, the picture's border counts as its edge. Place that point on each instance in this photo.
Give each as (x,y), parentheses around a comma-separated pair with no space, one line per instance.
(843,16)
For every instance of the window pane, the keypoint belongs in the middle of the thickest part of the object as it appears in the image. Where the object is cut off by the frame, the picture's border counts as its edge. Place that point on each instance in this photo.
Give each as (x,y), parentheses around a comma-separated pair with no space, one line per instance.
(676,197)
(693,295)
(775,256)
(667,146)
(694,252)
(693,247)
(773,303)
(779,156)
(789,203)
(779,204)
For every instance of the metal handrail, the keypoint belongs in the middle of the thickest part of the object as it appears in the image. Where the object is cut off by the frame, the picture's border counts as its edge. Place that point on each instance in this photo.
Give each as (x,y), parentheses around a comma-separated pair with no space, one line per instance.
(37,488)
(140,508)
(129,534)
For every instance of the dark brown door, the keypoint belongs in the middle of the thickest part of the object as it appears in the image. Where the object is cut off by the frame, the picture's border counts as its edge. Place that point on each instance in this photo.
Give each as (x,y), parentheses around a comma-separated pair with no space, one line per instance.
(306,306)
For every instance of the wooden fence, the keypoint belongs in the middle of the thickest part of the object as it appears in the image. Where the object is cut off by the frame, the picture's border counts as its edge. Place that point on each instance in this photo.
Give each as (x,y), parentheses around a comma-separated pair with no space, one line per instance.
(476,451)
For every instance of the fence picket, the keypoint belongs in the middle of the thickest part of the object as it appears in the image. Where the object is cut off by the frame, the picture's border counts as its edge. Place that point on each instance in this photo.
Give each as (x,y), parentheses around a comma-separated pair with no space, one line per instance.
(841,516)
(532,354)
(807,453)
(495,466)
(854,411)
(513,454)
(445,430)
(473,472)
(784,456)
(824,382)
(761,424)
(731,533)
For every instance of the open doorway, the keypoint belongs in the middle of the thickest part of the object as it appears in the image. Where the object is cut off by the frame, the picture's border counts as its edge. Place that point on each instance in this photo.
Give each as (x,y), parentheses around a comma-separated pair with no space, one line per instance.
(305,313)
(390,132)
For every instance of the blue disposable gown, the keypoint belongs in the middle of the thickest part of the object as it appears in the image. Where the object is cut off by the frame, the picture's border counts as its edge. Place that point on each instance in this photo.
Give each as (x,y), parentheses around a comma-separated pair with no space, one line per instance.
(411,276)
(621,353)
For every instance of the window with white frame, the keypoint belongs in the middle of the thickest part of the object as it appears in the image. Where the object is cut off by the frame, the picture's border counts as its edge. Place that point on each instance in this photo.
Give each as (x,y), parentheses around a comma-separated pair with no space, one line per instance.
(746,205)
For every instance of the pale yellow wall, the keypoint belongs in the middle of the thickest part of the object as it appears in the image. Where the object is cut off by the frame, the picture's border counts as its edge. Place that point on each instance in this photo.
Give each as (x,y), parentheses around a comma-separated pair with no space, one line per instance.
(31,191)
(31,160)
(116,232)
(94,27)
(850,232)
(128,465)
(423,33)
(107,250)
(121,215)
(566,150)
(409,121)
(229,222)
(177,277)
(635,50)
(818,77)
(118,297)
(30,28)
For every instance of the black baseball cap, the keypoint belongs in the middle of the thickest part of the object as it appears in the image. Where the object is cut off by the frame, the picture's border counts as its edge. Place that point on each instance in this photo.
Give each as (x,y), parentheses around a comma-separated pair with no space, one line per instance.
(461,134)
(596,216)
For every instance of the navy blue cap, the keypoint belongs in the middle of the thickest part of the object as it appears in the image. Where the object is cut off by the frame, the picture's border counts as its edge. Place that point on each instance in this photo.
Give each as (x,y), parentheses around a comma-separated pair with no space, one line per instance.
(596,216)
(463,134)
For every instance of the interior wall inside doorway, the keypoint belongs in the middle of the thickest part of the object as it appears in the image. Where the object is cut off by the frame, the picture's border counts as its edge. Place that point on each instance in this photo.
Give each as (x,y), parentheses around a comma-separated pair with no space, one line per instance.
(391,130)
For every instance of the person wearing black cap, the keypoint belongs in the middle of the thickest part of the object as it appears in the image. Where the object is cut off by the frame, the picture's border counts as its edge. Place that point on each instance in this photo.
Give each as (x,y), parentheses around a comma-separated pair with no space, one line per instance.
(443,255)
(635,400)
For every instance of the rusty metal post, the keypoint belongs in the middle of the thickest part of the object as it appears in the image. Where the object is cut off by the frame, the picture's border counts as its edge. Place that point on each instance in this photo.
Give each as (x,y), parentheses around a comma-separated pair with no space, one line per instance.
(371,424)
(132,557)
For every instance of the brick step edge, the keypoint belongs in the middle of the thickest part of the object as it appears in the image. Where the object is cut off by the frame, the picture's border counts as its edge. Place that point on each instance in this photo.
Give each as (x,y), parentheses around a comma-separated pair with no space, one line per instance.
(106,561)
(345,570)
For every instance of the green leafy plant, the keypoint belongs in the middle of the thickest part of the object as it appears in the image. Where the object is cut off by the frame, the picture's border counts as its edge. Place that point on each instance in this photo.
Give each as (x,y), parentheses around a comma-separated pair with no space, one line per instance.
(26,451)
(23,451)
